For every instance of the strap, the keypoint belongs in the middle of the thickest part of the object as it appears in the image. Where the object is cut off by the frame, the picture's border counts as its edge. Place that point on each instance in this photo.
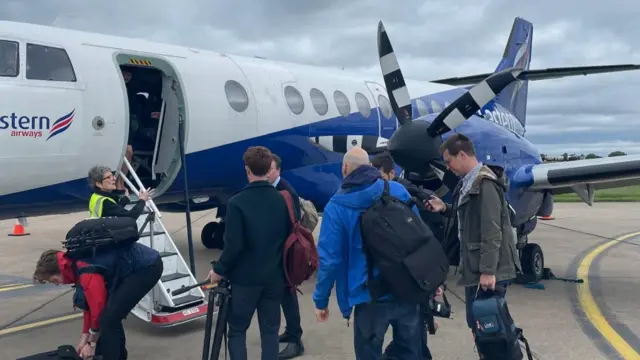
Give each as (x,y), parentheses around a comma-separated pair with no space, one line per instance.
(385,191)
(526,344)
(289,201)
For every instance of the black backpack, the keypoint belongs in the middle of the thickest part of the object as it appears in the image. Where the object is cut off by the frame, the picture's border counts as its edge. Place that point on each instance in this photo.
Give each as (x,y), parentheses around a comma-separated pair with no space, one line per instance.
(64,352)
(96,235)
(496,335)
(410,258)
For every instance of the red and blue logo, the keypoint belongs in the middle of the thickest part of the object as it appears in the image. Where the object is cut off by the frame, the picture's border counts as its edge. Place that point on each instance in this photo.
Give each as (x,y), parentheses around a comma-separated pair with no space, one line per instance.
(35,126)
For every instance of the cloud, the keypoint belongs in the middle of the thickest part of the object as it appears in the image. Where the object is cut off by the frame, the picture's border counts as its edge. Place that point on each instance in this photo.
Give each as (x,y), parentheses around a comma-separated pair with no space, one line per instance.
(435,39)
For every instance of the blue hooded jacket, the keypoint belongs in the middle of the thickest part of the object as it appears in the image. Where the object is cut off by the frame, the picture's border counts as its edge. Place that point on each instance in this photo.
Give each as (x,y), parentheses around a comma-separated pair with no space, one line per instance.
(342,259)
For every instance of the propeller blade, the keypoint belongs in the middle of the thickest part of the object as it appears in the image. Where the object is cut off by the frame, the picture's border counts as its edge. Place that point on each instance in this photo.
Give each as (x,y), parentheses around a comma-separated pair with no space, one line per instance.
(473,100)
(448,178)
(393,79)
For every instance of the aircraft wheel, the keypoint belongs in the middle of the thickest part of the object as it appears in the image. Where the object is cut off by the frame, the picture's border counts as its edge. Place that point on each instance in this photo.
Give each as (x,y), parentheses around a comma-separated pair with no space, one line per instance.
(211,235)
(532,261)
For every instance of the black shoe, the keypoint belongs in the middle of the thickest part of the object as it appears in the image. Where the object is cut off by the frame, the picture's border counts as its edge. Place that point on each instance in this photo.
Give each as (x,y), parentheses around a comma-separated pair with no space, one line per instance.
(292,350)
(287,338)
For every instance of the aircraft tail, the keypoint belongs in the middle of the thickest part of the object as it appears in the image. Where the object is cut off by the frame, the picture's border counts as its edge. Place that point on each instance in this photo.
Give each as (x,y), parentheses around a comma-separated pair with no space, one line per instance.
(517,53)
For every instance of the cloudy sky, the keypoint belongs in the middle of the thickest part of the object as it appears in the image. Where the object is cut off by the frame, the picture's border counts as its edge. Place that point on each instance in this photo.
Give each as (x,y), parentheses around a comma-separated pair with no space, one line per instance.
(433,39)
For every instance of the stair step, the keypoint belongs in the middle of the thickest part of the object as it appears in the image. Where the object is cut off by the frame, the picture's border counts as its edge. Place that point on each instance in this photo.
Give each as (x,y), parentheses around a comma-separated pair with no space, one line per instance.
(155,233)
(167,254)
(174,276)
(186,299)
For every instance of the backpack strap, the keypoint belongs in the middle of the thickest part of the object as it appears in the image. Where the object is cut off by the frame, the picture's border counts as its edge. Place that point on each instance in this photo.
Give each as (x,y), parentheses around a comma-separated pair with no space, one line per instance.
(289,201)
(526,343)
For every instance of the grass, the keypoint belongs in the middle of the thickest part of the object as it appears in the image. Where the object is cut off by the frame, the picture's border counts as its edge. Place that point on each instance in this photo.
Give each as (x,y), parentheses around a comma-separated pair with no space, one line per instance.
(623,194)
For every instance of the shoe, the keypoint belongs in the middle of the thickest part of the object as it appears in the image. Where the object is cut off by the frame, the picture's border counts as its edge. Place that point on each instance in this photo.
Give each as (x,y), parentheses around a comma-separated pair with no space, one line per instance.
(293,349)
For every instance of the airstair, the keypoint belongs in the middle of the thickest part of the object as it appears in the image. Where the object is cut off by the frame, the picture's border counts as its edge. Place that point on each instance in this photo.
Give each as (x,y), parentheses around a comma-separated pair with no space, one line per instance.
(159,307)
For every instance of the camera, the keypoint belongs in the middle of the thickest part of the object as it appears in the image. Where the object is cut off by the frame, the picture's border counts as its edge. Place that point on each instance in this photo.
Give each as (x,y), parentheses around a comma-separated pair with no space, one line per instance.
(434,308)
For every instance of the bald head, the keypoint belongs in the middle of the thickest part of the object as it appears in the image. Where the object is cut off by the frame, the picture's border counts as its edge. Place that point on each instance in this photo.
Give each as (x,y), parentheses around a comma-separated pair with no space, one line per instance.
(354,158)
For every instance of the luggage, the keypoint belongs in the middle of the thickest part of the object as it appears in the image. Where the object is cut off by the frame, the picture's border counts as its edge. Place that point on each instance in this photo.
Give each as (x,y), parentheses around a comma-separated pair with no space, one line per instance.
(300,255)
(496,335)
(309,216)
(64,352)
(89,236)
(410,258)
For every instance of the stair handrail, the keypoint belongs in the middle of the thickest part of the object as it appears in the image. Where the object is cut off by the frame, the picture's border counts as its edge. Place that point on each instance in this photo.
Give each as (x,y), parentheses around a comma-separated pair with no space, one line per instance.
(136,190)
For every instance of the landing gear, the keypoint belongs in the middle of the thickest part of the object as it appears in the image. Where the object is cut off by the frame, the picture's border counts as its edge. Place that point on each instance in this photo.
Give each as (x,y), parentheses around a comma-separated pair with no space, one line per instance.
(532,262)
(211,235)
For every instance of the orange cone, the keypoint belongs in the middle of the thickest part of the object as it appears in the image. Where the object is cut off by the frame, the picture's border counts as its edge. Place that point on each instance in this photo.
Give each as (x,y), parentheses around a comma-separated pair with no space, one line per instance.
(18,230)
(548,217)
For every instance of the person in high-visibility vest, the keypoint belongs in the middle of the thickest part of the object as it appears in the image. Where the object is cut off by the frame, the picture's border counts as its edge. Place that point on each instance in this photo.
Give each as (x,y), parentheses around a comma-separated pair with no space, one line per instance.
(106,200)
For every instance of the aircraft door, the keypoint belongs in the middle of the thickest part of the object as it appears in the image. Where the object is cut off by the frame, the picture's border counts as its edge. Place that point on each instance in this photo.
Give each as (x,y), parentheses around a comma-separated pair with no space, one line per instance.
(386,119)
(168,131)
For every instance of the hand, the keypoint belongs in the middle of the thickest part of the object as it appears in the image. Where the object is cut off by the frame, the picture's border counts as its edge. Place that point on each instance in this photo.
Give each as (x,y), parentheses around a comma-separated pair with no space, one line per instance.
(145,194)
(83,341)
(439,291)
(434,204)
(155,115)
(487,282)
(322,315)
(213,277)
(87,352)
(126,192)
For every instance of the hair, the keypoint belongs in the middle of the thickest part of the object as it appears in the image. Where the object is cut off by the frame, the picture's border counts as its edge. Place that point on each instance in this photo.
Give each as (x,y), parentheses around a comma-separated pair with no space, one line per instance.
(456,143)
(96,175)
(258,160)
(384,162)
(277,160)
(46,266)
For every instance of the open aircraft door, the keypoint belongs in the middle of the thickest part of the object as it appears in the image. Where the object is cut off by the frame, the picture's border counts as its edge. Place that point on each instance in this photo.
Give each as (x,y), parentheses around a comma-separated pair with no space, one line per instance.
(386,119)
(167,144)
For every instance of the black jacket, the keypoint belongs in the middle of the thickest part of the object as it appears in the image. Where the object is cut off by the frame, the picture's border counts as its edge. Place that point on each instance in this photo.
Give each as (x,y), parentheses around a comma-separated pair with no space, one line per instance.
(256,227)
(284,185)
(111,209)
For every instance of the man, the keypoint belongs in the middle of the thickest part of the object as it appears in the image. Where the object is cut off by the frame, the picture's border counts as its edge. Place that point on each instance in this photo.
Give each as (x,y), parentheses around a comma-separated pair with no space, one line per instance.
(488,255)
(135,271)
(290,307)
(257,225)
(386,166)
(342,261)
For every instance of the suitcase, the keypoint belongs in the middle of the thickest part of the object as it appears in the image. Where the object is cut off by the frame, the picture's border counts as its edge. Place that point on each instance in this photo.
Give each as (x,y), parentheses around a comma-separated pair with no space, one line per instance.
(63,352)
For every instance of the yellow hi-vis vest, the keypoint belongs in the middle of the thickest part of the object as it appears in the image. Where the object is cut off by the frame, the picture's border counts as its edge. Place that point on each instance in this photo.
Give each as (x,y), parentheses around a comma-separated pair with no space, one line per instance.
(95,205)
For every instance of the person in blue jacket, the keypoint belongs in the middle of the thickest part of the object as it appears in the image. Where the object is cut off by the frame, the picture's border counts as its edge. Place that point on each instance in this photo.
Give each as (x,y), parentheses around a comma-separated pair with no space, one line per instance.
(343,262)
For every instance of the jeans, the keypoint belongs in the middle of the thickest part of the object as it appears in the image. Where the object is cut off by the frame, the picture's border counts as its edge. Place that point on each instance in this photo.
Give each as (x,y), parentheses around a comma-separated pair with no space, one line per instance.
(112,341)
(390,352)
(245,300)
(371,321)
(470,295)
(291,312)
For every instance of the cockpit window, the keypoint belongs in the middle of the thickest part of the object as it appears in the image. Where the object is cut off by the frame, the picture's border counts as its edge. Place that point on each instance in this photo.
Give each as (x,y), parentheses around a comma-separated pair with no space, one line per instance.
(9,59)
(49,63)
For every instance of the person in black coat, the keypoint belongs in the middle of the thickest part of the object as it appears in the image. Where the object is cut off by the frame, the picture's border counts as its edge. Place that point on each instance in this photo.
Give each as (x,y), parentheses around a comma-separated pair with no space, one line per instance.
(290,306)
(257,225)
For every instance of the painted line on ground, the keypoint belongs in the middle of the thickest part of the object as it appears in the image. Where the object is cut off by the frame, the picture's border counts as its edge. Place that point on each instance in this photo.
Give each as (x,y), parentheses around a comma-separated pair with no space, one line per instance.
(590,307)
(41,323)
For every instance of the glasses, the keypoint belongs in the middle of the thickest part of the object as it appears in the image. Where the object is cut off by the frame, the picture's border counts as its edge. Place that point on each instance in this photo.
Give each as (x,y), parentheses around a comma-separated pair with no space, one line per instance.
(110,176)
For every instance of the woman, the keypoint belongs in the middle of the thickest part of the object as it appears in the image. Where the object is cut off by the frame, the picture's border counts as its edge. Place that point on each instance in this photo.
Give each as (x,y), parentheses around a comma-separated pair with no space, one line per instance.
(107,200)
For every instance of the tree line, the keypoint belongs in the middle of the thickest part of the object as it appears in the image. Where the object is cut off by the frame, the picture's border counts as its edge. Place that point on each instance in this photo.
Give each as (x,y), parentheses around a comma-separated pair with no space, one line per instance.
(572,156)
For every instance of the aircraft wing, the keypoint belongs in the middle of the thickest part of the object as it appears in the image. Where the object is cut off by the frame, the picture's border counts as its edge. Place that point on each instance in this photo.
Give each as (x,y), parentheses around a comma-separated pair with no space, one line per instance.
(581,176)
(543,74)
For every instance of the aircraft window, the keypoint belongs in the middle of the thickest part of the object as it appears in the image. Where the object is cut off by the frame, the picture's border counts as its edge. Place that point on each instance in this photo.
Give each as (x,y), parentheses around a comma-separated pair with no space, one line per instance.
(294,99)
(9,58)
(319,101)
(236,95)
(342,102)
(435,106)
(422,108)
(385,106)
(49,63)
(363,105)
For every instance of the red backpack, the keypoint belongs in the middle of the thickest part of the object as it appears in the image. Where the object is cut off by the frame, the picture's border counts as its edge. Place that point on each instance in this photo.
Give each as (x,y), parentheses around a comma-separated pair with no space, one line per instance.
(300,256)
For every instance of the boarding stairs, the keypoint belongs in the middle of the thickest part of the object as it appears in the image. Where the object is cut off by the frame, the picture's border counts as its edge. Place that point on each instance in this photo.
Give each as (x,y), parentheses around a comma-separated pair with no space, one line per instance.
(159,307)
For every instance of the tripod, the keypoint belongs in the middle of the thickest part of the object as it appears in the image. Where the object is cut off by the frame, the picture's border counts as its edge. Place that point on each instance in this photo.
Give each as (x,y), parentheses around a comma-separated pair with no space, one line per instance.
(223,292)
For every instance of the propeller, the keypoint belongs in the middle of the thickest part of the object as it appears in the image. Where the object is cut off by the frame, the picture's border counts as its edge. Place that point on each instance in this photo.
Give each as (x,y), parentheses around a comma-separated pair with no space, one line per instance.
(415,145)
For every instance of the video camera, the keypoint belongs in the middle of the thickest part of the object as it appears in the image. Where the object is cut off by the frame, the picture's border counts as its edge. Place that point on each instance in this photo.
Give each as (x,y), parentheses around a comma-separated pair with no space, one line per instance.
(434,308)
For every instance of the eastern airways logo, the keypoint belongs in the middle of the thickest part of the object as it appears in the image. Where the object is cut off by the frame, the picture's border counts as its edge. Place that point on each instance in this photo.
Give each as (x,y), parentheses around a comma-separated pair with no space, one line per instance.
(35,126)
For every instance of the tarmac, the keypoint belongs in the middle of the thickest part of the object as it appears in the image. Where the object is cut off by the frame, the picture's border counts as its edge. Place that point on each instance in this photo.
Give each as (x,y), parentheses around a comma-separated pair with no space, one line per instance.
(565,320)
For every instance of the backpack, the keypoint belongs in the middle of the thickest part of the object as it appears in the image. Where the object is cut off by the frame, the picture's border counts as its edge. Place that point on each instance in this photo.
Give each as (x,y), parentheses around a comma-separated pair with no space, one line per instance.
(63,352)
(79,298)
(90,236)
(410,258)
(300,255)
(496,335)
(309,216)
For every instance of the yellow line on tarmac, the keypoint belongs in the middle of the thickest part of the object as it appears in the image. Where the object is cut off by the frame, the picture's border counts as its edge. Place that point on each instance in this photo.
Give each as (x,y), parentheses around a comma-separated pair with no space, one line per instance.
(7,285)
(591,309)
(39,324)
(18,287)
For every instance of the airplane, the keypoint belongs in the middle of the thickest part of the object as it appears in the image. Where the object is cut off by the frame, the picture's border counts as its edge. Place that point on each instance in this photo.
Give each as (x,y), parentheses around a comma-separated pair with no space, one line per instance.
(65,106)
